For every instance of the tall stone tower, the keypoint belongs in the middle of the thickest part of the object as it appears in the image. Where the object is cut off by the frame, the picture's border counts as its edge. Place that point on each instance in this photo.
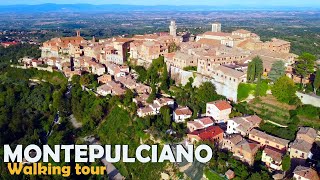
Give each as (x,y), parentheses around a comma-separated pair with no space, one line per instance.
(78,33)
(173,28)
(216,27)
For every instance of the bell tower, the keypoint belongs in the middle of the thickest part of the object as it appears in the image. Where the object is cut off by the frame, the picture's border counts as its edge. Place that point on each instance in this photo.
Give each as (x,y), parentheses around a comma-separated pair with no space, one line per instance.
(78,33)
(173,28)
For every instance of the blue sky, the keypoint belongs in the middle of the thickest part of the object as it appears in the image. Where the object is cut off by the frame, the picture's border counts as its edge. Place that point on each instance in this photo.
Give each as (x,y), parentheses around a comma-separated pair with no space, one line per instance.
(302,3)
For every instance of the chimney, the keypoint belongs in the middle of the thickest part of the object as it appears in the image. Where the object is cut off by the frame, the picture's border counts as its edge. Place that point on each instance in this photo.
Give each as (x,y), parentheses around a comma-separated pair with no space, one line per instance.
(78,33)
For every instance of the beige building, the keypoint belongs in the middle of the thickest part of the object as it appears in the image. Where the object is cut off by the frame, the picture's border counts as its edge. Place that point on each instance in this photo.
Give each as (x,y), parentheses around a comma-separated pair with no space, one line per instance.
(305,173)
(272,158)
(265,139)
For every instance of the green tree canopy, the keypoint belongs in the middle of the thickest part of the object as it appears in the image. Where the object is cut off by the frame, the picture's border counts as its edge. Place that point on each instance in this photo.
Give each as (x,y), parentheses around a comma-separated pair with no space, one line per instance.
(284,89)
(165,114)
(316,82)
(304,65)
(286,163)
(255,69)
(277,70)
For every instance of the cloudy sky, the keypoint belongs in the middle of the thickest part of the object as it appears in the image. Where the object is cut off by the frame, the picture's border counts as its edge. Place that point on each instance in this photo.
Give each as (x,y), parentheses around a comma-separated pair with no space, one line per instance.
(302,3)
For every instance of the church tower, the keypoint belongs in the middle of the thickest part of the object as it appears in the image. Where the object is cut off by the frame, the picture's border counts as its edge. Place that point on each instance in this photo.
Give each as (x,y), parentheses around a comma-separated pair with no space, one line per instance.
(216,27)
(173,28)
(78,33)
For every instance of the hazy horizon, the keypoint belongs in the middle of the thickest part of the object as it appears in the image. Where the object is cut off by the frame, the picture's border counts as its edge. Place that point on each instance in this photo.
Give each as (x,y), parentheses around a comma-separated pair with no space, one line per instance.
(256,3)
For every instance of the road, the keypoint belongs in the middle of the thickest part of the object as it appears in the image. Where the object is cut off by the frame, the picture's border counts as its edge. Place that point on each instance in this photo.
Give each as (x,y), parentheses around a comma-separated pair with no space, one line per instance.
(112,171)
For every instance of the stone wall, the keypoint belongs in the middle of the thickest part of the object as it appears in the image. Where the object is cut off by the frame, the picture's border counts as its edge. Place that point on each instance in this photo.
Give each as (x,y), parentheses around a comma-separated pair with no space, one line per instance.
(182,77)
(309,99)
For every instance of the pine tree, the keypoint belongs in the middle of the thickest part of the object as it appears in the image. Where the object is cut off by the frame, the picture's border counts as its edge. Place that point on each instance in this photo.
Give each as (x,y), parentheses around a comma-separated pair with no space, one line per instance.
(258,67)
(305,65)
(277,70)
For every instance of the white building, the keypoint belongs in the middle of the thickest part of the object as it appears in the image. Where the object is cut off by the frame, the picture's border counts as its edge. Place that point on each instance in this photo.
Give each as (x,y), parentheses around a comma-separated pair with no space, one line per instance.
(219,110)
(242,125)
(181,114)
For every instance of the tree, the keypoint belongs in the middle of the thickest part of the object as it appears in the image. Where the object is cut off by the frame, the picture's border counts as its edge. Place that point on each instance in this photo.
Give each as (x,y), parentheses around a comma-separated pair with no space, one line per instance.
(316,82)
(165,114)
(258,67)
(128,97)
(251,72)
(152,95)
(284,89)
(304,65)
(286,163)
(164,79)
(142,73)
(172,47)
(277,70)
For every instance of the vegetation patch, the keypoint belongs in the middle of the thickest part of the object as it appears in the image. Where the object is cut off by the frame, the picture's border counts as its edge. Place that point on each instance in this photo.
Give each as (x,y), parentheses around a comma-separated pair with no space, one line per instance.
(244,90)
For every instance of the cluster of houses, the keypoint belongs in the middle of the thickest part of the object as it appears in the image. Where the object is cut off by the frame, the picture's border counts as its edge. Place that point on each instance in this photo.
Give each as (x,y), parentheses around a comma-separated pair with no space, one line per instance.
(219,57)
(242,137)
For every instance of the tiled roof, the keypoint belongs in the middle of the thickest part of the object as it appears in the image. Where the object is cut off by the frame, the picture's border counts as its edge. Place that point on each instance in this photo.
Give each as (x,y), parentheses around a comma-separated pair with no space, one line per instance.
(183,111)
(301,145)
(275,154)
(208,133)
(221,104)
(268,137)
(312,133)
(306,172)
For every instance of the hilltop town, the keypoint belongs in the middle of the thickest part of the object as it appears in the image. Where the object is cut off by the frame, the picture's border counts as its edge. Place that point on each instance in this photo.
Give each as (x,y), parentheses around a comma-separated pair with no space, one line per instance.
(223,62)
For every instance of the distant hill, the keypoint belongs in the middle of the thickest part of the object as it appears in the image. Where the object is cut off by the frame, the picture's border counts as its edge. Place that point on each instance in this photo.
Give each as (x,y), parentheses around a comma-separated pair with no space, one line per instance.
(125,8)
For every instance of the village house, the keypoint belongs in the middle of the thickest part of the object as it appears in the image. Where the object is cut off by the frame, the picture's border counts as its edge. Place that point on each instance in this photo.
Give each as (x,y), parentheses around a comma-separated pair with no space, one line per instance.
(127,81)
(146,111)
(301,147)
(181,114)
(112,88)
(230,141)
(243,125)
(142,88)
(241,148)
(265,139)
(198,124)
(116,52)
(104,78)
(115,70)
(307,134)
(272,158)
(164,101)
(212,133)
(141,100)
(246,151)
(219,110)
(305,173)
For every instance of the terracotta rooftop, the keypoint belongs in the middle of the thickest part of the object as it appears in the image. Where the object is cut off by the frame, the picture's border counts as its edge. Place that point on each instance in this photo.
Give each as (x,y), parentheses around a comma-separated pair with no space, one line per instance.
(231,72)
(183,111)
(217,33)
(275,154)
(221,104)
(306,172)
(208,133)
(301,145)
(205,121)
(312,133)
(196,124)
(242,31)
(268,137)
(234,138)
